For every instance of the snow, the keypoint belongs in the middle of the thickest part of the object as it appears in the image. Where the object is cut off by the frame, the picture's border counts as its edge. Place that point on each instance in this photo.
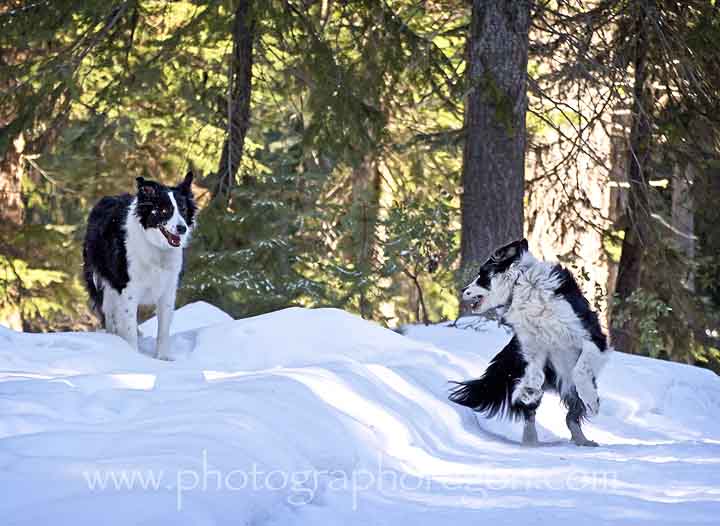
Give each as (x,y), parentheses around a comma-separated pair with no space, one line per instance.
(318,417)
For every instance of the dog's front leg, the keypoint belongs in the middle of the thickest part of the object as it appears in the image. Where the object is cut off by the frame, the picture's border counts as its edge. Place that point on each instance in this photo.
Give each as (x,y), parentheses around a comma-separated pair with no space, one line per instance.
(529,389)
(165,309)
(585,373)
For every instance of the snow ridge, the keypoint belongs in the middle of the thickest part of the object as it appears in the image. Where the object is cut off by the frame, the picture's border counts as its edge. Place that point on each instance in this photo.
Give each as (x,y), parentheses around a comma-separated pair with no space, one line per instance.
(319,417)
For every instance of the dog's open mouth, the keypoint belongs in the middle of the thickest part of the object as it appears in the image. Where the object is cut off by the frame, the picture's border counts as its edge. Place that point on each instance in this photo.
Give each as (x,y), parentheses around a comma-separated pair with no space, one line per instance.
(476,302)
(173,239)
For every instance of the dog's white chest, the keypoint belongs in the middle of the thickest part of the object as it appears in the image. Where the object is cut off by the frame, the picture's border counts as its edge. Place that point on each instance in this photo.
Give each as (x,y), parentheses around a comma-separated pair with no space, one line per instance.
(151,282)
(548,329)
(544,320)
(152,272)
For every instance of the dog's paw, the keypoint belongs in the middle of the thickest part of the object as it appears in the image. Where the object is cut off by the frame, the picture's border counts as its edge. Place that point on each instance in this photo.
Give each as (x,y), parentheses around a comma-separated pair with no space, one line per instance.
(165,358)
(585,442)
(592,403)
(528,396)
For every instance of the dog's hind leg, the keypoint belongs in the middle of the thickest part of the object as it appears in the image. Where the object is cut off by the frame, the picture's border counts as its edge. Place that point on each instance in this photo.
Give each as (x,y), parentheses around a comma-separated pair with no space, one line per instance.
(576,413)
(530,436)
(108,321)
(126,319)
(108,307)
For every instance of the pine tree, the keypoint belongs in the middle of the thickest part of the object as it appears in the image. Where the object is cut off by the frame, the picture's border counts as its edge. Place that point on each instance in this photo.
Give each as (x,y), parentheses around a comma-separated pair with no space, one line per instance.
(495,133)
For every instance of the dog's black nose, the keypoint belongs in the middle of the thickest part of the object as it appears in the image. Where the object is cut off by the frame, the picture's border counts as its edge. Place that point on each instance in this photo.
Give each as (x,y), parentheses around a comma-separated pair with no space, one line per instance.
(181,229)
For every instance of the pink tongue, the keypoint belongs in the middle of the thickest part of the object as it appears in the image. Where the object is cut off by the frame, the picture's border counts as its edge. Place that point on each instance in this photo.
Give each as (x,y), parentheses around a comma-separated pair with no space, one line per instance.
(174,240)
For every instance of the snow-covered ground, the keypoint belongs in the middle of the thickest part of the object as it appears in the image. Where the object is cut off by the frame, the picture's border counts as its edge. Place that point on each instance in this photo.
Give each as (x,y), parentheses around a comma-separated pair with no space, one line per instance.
(318,417)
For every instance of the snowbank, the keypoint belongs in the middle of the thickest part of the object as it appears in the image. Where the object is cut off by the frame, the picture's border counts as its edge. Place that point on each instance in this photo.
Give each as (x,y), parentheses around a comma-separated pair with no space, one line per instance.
(319,417)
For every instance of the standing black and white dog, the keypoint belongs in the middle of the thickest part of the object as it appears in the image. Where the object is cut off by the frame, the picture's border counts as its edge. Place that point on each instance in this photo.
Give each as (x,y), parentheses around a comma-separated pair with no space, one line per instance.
(558,343)
(133,255)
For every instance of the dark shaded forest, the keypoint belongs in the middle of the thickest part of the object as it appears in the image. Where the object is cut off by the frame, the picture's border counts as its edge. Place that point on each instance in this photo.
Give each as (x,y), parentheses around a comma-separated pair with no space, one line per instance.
(369,155)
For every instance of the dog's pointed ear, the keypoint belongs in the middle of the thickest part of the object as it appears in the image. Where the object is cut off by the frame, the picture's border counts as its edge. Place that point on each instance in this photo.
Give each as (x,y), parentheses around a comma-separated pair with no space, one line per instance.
(515,249)
(186,184)
(511,250)
(145,188)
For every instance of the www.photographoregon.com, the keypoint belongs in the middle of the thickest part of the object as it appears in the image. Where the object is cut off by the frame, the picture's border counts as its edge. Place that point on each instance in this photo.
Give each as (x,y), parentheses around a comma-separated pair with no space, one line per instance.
(303,486)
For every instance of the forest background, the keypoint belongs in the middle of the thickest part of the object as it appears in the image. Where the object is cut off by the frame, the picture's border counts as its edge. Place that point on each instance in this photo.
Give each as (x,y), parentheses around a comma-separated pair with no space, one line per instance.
(369,154)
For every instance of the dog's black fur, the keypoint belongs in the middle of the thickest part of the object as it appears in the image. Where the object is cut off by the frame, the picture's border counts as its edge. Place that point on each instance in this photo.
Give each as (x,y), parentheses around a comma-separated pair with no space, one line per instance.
(570,291)
(490,394)
(104,249)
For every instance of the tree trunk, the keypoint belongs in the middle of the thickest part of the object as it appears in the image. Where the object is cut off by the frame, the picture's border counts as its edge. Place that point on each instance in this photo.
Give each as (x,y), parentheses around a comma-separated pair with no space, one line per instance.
(494,156)
(683,218)
(12,215)
(12,206)
(11,170)
(365,206)
(239,92)
(638,229)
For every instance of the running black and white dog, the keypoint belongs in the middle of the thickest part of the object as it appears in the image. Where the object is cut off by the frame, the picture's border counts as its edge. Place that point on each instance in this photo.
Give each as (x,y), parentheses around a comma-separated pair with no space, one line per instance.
(133,255)
(558,343)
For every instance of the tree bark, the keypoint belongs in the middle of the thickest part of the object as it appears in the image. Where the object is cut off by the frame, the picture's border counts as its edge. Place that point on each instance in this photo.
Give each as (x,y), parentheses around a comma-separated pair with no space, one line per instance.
(366,185)
(239,92)
(12,207)
(494,155)
(638,229)
(12,216)
(683,217)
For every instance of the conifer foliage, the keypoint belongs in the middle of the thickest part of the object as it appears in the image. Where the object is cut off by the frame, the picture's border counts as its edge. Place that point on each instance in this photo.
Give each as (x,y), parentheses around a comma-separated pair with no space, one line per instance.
(336,140)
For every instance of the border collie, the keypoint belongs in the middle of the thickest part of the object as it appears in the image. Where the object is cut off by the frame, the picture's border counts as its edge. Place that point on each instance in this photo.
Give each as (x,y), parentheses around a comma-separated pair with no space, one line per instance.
(558,343)
(133,255)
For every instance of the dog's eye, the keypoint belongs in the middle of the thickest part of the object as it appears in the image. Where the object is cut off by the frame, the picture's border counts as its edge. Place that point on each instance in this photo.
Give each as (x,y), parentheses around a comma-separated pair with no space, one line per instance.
(154,212)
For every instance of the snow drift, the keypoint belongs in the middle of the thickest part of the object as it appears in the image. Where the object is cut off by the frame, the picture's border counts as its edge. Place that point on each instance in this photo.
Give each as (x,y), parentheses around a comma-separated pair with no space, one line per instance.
(319,417)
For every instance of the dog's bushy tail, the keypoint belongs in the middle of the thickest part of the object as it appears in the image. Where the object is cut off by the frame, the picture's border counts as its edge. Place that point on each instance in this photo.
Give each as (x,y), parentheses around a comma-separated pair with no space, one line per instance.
(491,393)
(95,293)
